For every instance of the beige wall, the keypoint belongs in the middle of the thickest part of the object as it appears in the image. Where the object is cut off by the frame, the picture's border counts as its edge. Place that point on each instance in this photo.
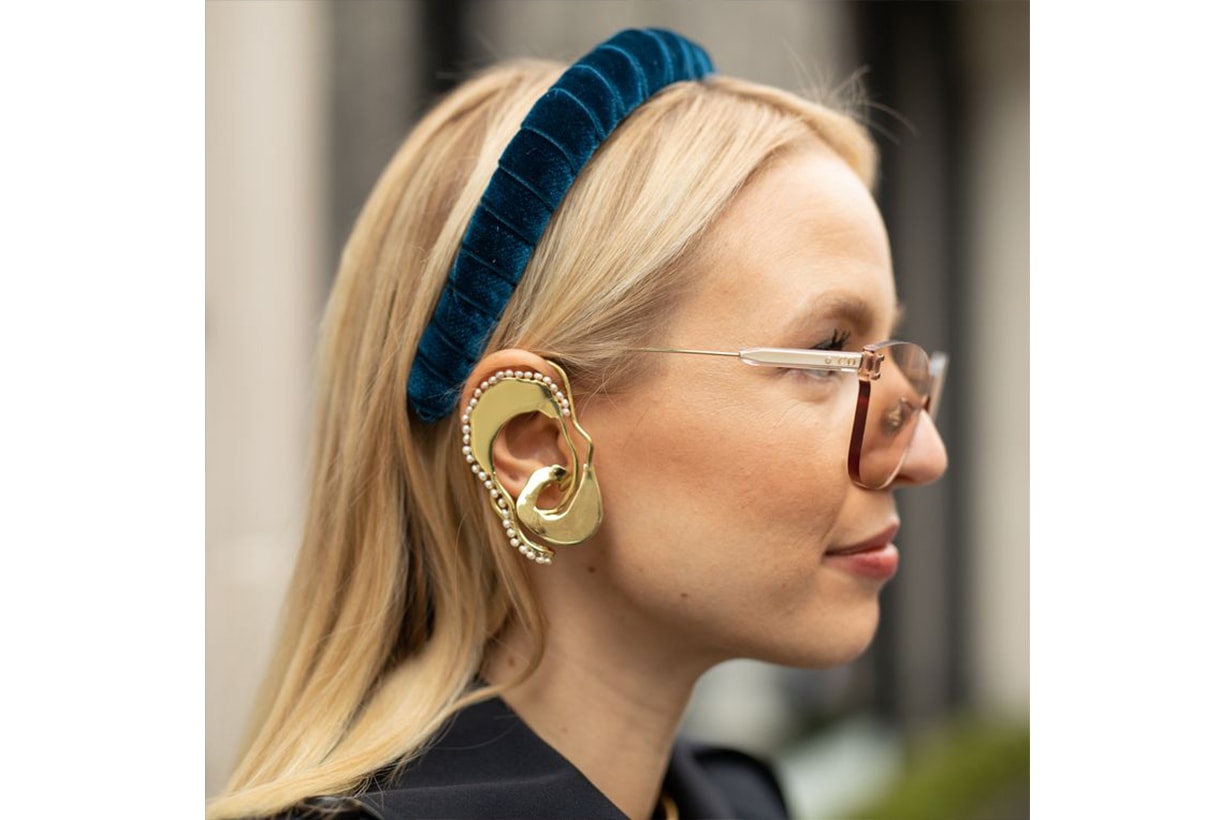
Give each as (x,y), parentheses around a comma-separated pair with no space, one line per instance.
(265,269)
(997,237)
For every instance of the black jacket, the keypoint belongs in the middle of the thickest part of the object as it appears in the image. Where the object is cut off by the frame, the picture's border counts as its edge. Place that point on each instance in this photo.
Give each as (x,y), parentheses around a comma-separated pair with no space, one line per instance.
(489,764)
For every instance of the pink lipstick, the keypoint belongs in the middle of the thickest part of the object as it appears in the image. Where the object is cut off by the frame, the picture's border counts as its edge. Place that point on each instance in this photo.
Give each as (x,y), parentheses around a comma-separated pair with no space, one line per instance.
(875,557)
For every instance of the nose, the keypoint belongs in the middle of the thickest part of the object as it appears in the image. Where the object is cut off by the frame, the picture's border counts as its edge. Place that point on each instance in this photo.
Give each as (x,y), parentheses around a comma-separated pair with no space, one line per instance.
(926,459)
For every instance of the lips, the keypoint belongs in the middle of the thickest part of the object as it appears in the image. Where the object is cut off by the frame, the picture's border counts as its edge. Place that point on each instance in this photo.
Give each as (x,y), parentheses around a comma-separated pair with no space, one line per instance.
(873,559)
(875,542)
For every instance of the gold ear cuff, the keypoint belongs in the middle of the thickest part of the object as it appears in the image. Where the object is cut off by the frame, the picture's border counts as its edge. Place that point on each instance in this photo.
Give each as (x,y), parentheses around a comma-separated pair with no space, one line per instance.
(531,530)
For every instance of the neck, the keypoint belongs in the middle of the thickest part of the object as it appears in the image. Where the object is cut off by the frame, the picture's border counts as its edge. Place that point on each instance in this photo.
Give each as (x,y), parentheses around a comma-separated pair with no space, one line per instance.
(595,692)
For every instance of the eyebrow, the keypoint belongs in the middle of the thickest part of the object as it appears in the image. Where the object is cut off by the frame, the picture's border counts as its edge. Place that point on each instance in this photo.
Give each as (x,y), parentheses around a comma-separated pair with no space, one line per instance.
(843,307)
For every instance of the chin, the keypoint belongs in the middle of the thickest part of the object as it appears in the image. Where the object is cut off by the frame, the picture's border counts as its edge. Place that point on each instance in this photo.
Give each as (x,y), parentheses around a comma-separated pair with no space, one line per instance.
(833,644)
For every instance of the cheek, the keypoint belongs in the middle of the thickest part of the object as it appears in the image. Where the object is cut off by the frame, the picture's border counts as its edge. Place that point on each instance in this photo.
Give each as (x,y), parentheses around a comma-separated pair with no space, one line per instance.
(716,520)
(728,504)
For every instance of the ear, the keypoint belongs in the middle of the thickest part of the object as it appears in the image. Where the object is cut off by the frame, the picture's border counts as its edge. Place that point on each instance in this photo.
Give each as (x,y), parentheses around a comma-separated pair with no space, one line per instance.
(527,442)
(521,439)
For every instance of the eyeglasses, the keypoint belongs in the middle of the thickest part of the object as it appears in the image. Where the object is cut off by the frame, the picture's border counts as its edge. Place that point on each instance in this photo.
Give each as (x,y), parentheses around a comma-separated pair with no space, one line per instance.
(897,381)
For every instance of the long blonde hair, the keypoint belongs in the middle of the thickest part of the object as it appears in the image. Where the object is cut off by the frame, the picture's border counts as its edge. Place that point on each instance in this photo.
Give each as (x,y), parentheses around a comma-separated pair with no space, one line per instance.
(403,578)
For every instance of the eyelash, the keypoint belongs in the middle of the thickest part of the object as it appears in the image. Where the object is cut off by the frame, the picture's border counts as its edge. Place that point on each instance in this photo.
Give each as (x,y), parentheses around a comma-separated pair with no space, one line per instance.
(825,377)
(835,342)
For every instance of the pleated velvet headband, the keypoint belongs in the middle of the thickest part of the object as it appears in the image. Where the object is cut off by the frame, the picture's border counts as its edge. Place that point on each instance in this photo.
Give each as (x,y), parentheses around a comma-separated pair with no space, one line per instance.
(559,135)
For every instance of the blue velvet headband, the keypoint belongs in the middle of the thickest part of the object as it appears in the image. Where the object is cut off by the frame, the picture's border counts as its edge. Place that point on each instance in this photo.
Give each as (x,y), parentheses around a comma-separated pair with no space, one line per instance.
(556,139)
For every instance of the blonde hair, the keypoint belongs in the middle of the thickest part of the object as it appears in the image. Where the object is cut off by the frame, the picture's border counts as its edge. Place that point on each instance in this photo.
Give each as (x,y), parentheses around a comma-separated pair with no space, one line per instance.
(403,578)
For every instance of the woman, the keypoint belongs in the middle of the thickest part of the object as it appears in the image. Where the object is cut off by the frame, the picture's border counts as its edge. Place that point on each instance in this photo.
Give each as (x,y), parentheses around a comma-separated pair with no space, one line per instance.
(532,352)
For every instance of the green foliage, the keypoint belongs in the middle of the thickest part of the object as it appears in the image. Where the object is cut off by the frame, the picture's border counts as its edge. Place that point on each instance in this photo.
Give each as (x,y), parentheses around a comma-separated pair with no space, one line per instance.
(971,770)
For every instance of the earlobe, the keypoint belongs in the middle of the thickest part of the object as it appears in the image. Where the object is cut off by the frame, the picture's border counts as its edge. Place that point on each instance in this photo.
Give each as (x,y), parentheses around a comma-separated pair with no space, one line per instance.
(512,429)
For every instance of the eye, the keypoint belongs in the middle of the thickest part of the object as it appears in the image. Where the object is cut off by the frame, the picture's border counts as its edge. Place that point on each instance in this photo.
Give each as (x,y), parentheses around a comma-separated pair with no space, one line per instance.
(836,341)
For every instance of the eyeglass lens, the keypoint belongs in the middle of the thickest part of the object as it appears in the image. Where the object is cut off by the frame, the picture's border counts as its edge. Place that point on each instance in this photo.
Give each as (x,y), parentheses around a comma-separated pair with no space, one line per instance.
(888,412)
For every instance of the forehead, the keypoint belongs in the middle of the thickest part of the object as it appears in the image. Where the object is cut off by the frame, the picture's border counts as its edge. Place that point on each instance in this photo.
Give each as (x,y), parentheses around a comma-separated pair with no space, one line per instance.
(801,246)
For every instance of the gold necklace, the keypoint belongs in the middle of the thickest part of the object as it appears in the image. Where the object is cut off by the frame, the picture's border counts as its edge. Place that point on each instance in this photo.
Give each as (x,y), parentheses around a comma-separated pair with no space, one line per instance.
(669,809)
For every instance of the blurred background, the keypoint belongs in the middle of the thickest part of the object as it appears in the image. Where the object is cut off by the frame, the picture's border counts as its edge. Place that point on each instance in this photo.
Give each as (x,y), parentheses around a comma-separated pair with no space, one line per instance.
(306,102)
